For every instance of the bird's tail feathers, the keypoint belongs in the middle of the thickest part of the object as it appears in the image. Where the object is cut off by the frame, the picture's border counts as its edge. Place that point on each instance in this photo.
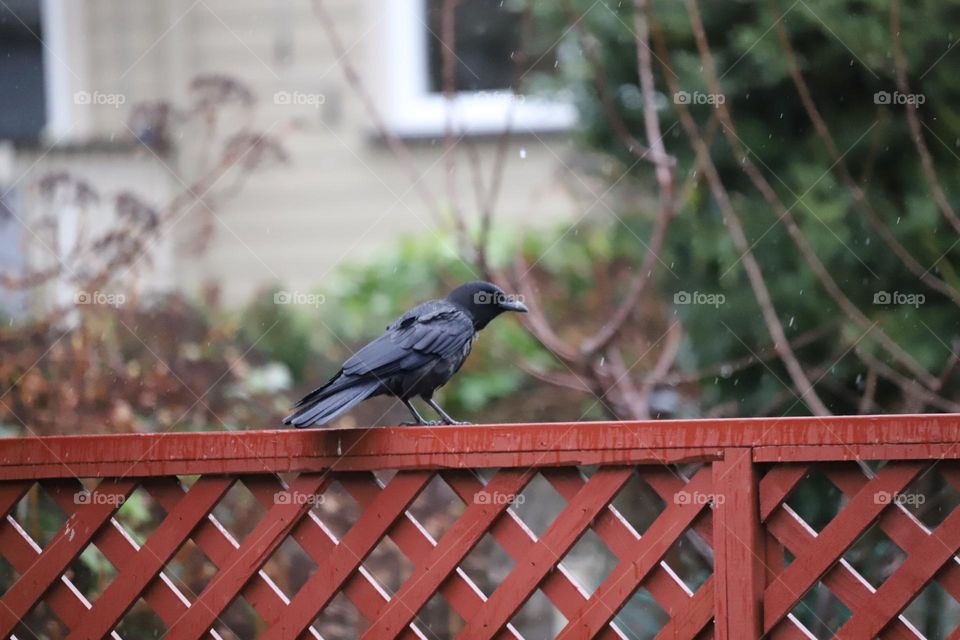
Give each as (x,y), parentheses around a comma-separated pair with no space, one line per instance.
(335,383)
(326,406)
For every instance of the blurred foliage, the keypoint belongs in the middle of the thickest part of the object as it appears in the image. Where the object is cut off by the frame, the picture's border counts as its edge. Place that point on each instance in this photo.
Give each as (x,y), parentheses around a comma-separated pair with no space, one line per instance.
(103,369)
(844,51)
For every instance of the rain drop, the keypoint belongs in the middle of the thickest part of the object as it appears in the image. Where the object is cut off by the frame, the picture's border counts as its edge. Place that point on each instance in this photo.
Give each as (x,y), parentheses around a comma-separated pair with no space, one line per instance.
(523,153)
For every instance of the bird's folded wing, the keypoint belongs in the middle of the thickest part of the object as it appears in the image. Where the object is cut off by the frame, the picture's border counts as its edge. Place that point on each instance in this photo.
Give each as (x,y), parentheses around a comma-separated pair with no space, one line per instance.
(415,340)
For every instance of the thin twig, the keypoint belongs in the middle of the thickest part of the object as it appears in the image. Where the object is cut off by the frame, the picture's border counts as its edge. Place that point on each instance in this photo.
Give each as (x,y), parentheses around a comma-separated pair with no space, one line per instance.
(869,392)
(913,119)
(395,144)
(728,368)
(665,171)
(785,217)
(664,363)
(839,166)
(751,266)
(908,386)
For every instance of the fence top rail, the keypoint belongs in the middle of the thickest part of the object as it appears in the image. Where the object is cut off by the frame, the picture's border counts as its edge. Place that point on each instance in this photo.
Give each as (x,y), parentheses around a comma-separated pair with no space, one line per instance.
(497,445)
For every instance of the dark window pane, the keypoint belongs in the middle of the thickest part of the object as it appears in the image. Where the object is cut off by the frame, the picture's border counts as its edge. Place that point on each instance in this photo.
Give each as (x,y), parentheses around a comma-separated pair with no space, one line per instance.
(488,37)
(23,106)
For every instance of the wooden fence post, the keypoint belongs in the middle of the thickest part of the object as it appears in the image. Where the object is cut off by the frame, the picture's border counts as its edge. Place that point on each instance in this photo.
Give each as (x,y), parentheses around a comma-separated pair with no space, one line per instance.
(738,550)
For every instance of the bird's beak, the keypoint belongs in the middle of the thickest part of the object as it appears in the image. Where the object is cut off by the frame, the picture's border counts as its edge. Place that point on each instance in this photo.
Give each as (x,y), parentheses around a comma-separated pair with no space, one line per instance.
(514,305)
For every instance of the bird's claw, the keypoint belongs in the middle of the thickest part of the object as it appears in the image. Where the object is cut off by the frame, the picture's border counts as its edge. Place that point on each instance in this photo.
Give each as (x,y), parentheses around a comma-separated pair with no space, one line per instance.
(425,423)
(458,423)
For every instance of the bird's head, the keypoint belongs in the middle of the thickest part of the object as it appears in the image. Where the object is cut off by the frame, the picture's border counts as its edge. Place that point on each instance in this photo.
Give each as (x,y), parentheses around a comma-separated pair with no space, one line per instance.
(484,301)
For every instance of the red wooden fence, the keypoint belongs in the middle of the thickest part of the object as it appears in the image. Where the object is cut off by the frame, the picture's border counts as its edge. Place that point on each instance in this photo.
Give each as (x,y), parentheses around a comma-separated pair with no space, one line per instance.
(729,481)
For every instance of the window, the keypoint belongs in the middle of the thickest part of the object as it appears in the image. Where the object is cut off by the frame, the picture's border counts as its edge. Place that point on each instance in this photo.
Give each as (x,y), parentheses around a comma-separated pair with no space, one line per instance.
(487,33)
(23,114)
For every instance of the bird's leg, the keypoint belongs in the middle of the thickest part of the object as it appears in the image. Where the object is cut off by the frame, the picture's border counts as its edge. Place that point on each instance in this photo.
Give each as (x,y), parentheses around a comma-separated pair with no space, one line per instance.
(443,414)
(420,420)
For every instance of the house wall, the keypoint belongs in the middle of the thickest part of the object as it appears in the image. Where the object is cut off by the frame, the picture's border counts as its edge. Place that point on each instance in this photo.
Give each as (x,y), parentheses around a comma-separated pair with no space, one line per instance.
(342,196)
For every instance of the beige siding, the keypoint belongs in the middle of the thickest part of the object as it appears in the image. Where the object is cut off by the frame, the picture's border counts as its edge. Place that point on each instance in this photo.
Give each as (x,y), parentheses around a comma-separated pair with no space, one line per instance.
(343,196)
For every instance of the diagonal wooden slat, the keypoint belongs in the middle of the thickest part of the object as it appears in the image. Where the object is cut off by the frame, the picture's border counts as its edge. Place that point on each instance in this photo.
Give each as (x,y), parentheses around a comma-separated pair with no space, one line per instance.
(690,624)
(163,595)
(648,551)
(246,561)
(667,483)
(64,598)
(11,493)
(559,537)
(163,543)
(319,543)
(417,544)
(842,579)
(66,545)
(790,629)
(903,528)
(362,537)
(664,585)
(219,545)
(777,484)
(513,535)
(443,559)
(781,595)
(906,582)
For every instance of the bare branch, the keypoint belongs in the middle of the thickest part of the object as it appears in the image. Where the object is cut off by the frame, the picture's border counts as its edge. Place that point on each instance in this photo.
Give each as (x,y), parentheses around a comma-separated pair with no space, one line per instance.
(908,386)
(786,218)
(665,172)
(395,144)
(840,167)
(558,379)
(535,321)
(728,368)
(630,397)
(869,392)
(751,266)
(664,363)
(449,76)
(913,119)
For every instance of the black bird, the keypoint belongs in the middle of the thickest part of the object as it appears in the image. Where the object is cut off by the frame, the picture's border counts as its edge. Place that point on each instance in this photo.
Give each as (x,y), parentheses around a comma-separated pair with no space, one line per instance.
(418,354)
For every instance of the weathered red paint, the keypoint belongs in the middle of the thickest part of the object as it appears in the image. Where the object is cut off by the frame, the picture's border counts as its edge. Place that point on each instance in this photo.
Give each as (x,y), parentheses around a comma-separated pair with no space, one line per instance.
(753,465)
(553,444)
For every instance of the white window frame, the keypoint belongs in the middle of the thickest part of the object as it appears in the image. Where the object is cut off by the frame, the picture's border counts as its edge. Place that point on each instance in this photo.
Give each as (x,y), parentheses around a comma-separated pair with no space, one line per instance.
(412,110)
(64,43)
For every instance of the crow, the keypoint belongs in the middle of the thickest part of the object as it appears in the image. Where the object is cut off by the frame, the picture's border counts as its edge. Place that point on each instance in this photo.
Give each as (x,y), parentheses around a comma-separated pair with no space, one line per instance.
(418,354)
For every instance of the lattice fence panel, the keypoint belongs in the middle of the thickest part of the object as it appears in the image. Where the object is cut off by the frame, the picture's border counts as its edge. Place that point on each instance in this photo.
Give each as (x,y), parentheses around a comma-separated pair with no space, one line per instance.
(855,562)
(304,569)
